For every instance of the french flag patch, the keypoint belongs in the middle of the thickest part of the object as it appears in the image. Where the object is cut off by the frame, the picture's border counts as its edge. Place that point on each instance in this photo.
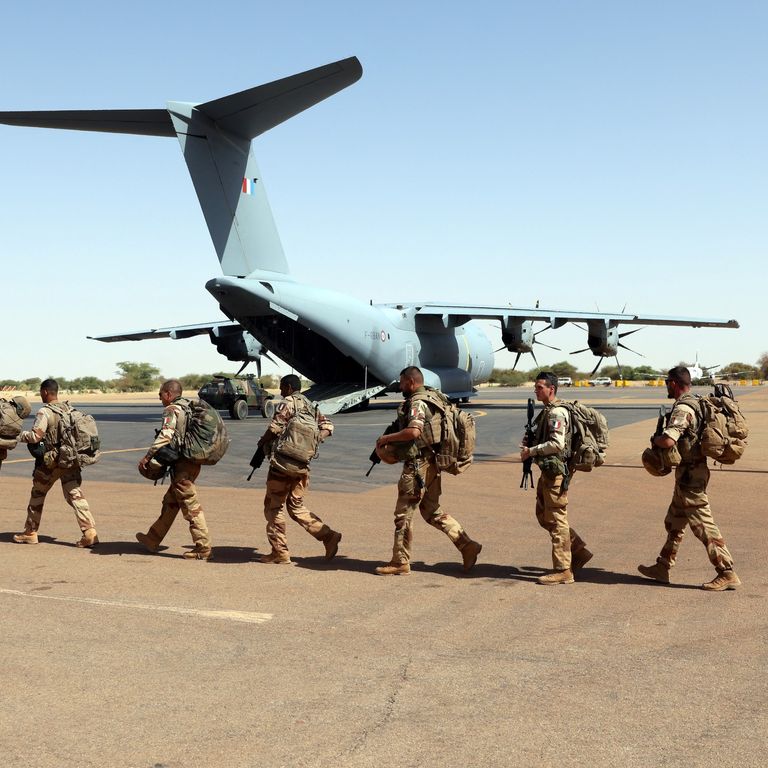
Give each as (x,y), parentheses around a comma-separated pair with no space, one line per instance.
(249,186)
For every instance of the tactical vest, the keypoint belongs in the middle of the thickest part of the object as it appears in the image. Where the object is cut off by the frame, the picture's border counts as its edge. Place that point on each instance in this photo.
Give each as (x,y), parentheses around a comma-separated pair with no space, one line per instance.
(542,428)
(688,444)
(432,433)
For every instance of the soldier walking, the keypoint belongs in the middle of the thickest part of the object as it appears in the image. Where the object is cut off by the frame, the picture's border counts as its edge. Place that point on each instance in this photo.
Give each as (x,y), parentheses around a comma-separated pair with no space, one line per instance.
(288,476)
(44,437)
(690,504)
(182,493)
(419,487)
(550,451)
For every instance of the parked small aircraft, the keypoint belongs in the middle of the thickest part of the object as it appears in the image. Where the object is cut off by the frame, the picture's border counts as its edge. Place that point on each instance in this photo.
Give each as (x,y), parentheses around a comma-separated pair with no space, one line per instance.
(700,372)
(352,349)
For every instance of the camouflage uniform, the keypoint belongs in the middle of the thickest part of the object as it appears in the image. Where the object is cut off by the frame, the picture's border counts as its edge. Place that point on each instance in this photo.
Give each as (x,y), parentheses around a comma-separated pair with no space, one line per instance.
(287,482)
(552,434)
(690,505)
(419,486)
(181,494)
(45,475)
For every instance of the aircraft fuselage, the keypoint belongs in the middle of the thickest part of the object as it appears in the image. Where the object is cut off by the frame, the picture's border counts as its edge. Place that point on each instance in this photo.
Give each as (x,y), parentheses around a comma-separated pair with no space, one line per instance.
(329,336)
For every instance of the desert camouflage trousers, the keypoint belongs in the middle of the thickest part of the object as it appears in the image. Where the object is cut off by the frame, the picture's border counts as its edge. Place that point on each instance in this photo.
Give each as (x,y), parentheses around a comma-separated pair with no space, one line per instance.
(410,497)
(690,507)
(287,491)
(43,479)
(552,514)
(182,496)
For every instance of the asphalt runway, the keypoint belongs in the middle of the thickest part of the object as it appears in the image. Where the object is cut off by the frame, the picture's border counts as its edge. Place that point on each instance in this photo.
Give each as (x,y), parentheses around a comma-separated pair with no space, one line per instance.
(127,429)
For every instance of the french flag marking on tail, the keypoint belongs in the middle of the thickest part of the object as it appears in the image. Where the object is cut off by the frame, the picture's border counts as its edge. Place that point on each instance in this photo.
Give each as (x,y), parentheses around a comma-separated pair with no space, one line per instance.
(249,186)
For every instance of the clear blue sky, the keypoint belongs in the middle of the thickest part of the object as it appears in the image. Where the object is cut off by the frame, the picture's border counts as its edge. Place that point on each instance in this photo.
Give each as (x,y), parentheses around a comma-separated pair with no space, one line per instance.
(578,153)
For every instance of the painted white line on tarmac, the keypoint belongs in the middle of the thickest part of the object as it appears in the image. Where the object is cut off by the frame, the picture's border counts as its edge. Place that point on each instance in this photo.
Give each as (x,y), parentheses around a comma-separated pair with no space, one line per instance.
(246,617)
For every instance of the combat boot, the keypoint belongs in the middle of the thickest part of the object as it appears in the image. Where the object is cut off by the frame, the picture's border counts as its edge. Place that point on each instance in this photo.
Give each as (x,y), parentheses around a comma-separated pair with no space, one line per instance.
(724,580)
(28,537)
(557,577)
(580,559)
(198,554)
(469,554)
(149,544)
(88,539)
(658,572)
(331,542)
(393,569)
(276,558)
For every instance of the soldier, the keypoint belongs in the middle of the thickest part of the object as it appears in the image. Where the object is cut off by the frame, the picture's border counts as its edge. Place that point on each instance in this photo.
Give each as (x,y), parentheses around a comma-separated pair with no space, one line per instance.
(550,452)
(182,494)
(690,505)
(420,484)
(44,436)
(288,476)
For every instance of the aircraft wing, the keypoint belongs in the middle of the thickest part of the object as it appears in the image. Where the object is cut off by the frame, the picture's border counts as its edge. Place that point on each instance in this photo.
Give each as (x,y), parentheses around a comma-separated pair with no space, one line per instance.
(174,332)
(458,314)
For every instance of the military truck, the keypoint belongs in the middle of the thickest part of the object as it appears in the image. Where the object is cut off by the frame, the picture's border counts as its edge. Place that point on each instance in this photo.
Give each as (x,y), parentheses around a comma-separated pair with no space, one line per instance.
(237,394)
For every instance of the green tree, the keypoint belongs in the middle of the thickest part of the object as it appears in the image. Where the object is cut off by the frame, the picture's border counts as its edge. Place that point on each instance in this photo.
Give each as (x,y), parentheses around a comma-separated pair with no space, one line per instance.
(762,365)
(194,380)
(506,377)
(136,377)
(88,383)
(743,370)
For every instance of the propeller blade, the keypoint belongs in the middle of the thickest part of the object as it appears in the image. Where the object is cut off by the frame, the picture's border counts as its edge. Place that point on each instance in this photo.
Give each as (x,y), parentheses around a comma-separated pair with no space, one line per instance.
(541,343)
(534,357)
(579,351)
(542,331)
(634,352)
(242,368)
(517,360)
(627,333)
(618,364)
(599,363)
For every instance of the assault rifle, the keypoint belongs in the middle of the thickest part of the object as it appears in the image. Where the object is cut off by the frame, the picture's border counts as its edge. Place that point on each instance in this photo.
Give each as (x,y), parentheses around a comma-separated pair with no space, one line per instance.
(529,439)
(659,423)
(374,457)
(256,460)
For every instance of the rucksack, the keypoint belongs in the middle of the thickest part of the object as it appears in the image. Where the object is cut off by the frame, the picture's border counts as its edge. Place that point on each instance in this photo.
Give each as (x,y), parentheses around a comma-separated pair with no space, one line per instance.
(723,429)
(589,436)
(77,437)
(12,415)
(205,438)
(300,439)
(456,441)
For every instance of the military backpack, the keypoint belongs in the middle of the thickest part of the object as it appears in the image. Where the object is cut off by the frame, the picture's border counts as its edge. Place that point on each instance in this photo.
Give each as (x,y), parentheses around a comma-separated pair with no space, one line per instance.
(451,435)
(205,438)
(12,415)
(77,437)
(589,436)
(723,430)
(300,440)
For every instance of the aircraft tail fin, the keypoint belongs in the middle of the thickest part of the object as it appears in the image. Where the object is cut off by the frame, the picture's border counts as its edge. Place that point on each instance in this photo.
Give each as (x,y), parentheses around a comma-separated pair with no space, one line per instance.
(215,138)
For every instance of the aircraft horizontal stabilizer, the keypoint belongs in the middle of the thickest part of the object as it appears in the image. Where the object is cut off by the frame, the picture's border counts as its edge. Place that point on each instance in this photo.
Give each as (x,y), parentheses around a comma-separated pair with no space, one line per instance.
(250,113)
(247,113)
(144,122)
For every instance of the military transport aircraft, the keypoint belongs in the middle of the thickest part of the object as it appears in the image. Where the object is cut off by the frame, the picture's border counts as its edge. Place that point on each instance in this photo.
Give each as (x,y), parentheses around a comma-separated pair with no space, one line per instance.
(352,349)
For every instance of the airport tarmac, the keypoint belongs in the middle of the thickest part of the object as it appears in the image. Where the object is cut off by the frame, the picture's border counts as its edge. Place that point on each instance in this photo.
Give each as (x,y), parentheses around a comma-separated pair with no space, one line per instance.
(117,657)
